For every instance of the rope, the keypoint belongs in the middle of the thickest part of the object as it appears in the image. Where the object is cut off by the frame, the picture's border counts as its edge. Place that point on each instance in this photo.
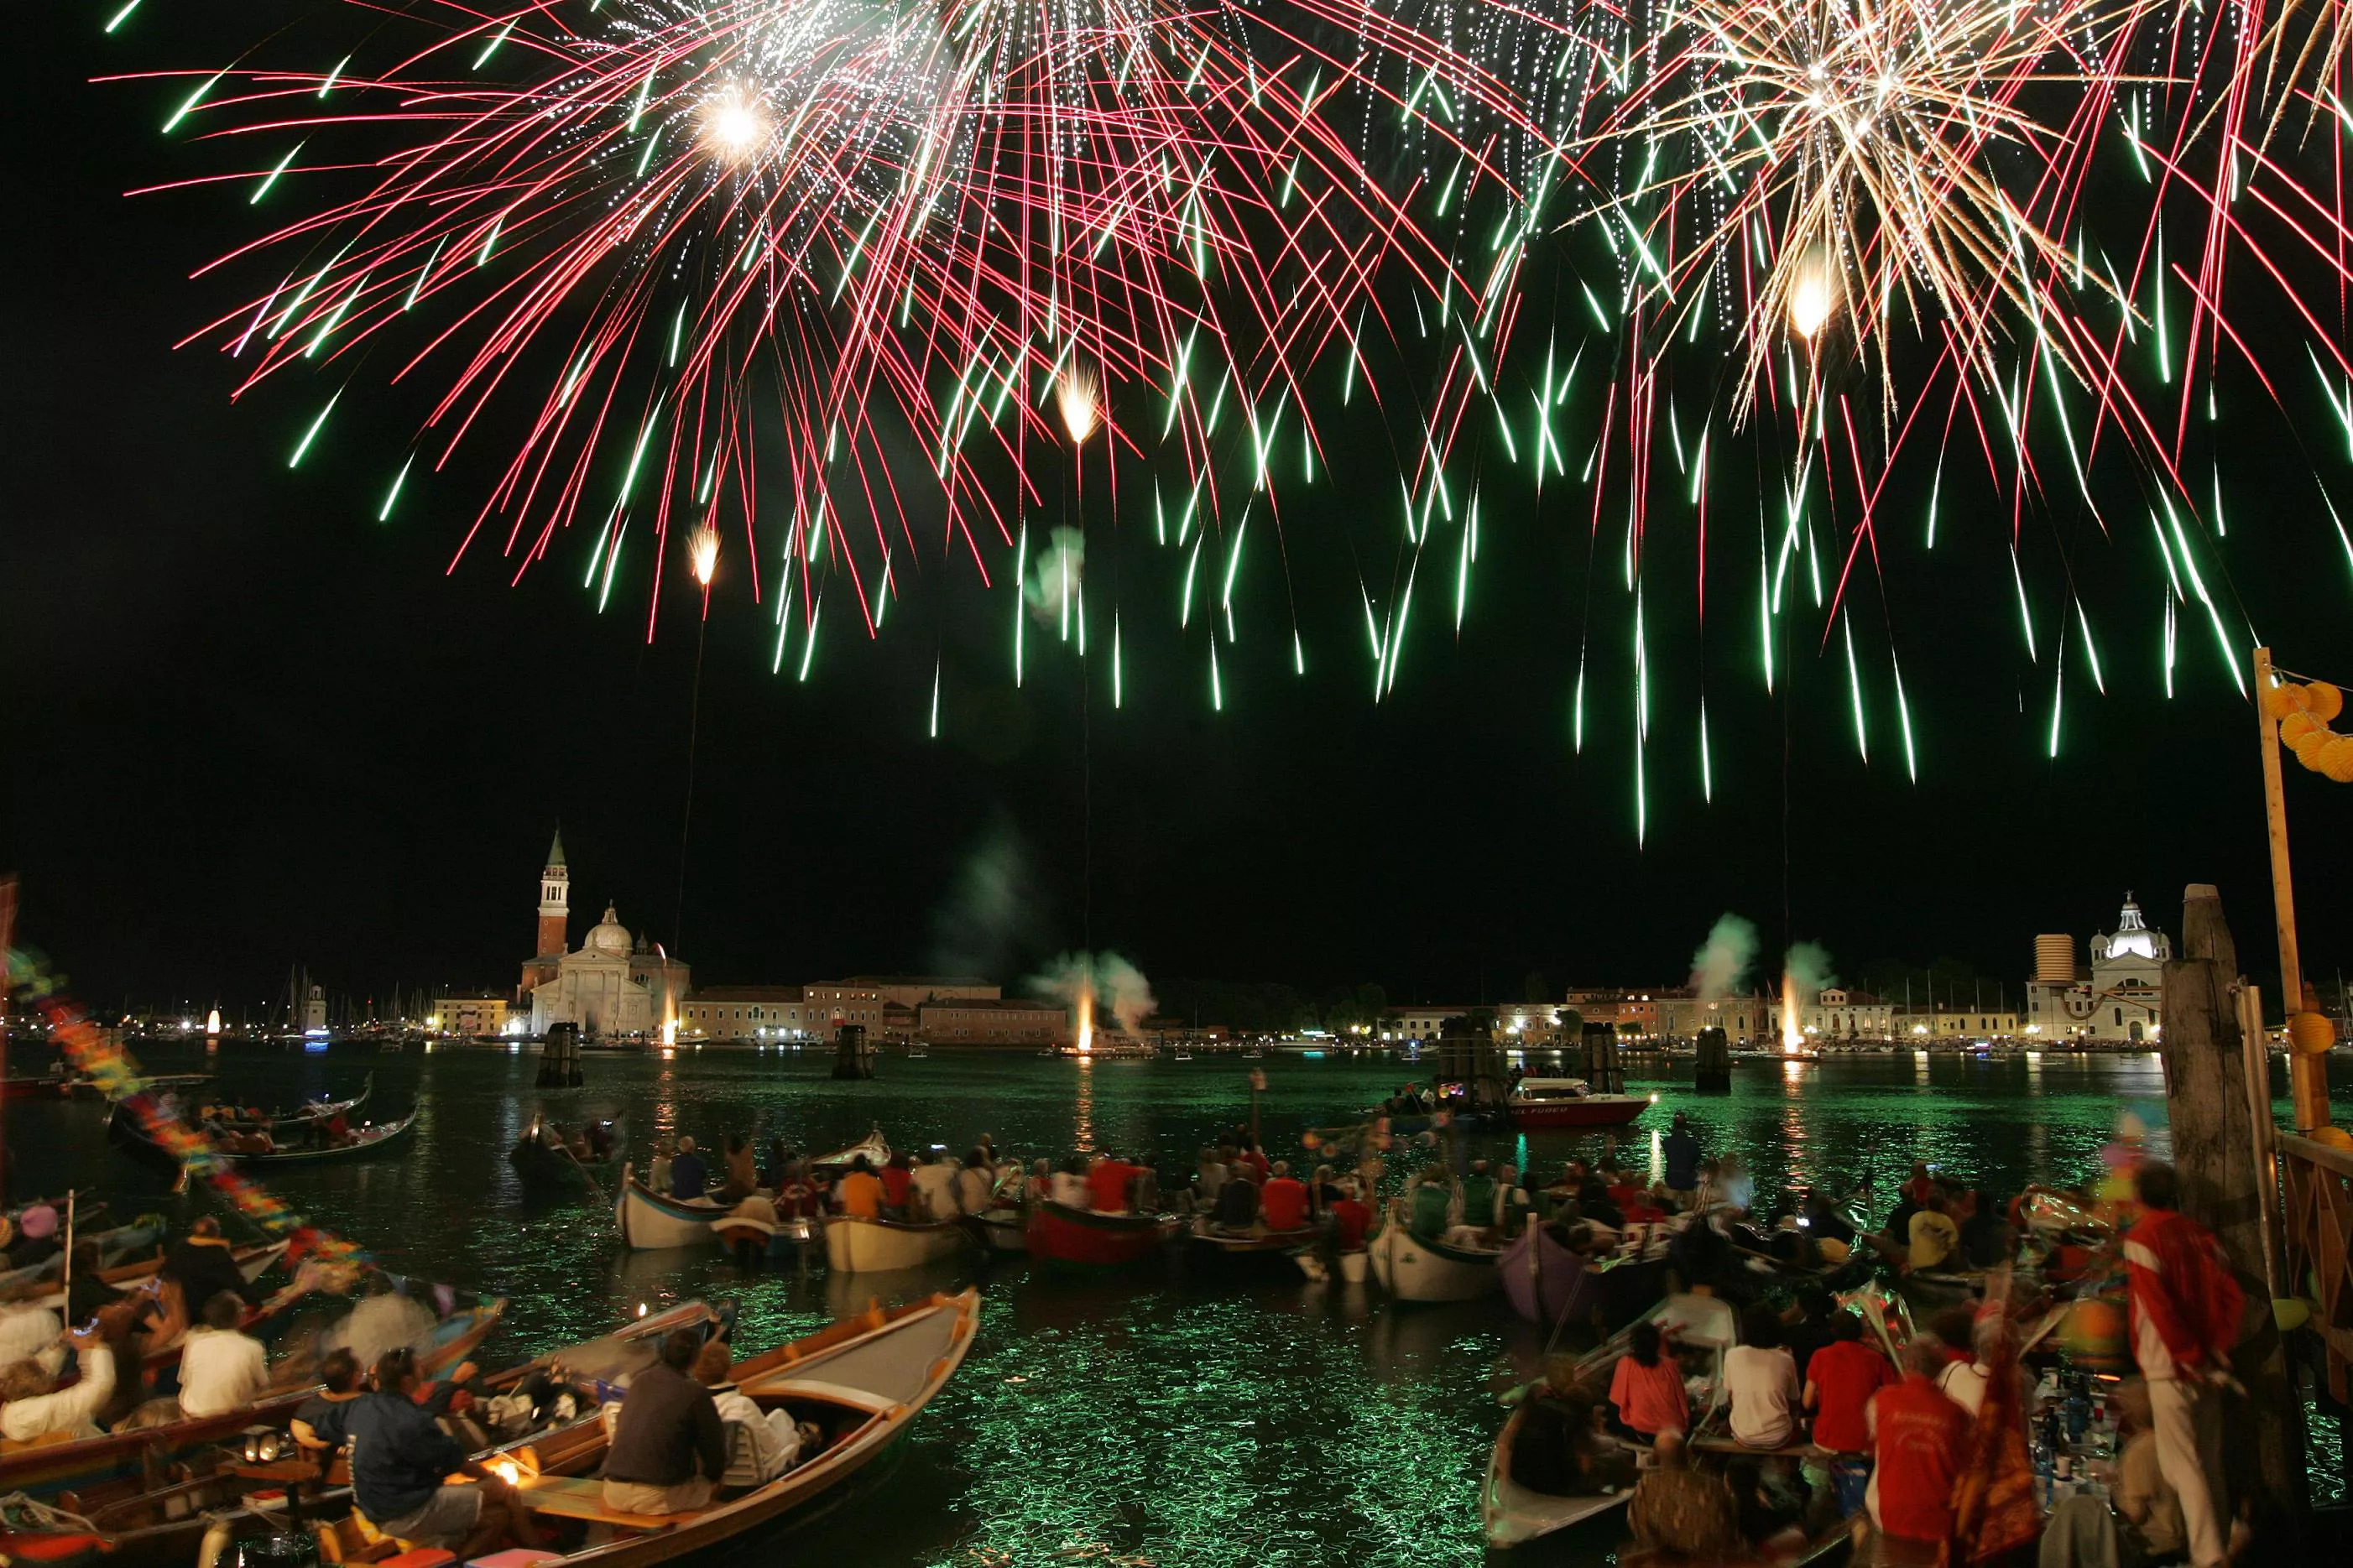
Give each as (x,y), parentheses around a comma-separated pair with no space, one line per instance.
(30,1508)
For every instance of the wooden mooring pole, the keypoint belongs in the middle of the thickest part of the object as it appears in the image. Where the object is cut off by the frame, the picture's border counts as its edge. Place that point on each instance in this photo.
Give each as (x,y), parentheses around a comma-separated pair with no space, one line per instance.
(2308,1075)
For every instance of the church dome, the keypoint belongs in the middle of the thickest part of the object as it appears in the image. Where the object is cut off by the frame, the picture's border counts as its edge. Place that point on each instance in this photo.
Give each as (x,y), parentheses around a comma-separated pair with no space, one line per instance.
(610,935)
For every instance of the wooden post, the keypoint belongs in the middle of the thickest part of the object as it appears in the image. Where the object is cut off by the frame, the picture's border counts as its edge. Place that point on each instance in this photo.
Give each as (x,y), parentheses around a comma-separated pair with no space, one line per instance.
(2307,1077)
(2213,1148)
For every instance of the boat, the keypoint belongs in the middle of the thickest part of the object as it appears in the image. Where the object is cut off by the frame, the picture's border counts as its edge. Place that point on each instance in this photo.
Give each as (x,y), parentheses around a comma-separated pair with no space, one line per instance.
(919,1052)
(1546,1281)
(876,1149)
(1056,1232)
(253,1260)
(863,1380)
(648,1220)
(1182,1055)
(241,1488)
(1571,1102)
(1256,1242)
(1413,1270)
(557,1169)
(1512,1513)
(365,1139)
(114,1247)
(855,1246)
(44,1469)
(1000,1227)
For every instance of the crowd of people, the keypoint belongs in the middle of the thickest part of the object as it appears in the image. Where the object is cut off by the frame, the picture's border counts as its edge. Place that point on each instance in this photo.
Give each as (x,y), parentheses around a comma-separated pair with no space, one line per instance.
(1819,1419)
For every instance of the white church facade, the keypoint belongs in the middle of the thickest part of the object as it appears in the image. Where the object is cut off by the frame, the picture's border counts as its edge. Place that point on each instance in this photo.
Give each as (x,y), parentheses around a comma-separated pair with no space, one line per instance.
(613,986)
(2123,998)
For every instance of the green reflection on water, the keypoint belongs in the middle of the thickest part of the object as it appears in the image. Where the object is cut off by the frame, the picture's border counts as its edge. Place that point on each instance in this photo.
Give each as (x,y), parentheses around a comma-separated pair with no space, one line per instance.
(1189,1418)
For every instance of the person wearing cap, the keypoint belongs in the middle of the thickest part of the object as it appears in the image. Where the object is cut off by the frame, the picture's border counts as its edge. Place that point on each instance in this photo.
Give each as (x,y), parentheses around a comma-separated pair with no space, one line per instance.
(36,1241)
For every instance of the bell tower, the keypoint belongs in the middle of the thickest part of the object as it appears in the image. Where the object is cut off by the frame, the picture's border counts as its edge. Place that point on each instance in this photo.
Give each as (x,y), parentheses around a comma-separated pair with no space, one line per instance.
(554,899)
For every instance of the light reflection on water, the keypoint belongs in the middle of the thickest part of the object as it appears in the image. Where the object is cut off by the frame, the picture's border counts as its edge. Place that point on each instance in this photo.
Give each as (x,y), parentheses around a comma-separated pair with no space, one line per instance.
(1187,1416)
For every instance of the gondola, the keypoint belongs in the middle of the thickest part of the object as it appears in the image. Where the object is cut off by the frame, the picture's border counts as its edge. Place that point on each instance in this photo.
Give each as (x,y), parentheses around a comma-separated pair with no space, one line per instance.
(252,1260)
(241,1488)
(367,1140)
(1000,1227)
(114,1246)
(1513,1513)
(44,1469)
(648,1221)
(1413,1268)
(557,1169)
(863,1380)
(873,1146)
(1546,1282)
(283,1124)
(1212,1240)
(1056,1234)
(854,1245)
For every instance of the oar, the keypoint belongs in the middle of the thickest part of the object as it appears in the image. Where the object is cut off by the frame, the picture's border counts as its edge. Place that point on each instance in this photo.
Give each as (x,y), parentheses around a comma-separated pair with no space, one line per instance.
(65,1299)
(584,1175)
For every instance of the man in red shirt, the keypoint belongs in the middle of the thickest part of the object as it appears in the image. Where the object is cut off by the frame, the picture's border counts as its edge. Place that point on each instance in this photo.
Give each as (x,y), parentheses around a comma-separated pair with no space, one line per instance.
(2185,1313)
(1841,1378)
(1282,1202)
(1107,1183)
(1351,1218)
(897,1177)
(1918,1439)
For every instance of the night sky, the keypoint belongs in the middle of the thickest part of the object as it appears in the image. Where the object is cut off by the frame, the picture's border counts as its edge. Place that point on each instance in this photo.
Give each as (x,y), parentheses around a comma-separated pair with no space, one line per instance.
(252,727)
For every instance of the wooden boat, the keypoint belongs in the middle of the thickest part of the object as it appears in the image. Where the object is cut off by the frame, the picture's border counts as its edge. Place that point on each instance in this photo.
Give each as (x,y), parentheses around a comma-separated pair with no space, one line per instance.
(863,1380)
(44,1466)
(1412,1269)
(253,1260)
(649,1221)
(114,1246)
(1546,1281)
(368,1140)
(854,1246)
(1057,1234)
(558,1169)
(1256,1242)
(237,1494)
(1513,1513)
(1570,1103)
(1000,1227)
(873,1146)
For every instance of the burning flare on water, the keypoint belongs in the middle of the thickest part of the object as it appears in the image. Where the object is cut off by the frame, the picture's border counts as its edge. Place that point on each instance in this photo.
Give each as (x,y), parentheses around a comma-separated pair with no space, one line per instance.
(1793,1038)
(1087,1011)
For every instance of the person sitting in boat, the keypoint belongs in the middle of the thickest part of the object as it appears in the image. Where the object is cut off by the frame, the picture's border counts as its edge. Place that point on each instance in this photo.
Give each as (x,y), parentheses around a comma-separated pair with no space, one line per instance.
(797,1193)
(1648,1386)
(931,1188)
(687,1174)
(1840,1380)
(1324,1190)
(1934,1239)
(1429,1210)
(1821,1219)
(1238,1203)
(1919,1440)
(33,1406)
(1040,1186)
(1620,1183)
(578,1146)
(385,1320)
(1282,1202)
(777,1166)
(339,1384)
(898,1175)
(1556,1450)
(742,1170)
(1352,1219)
(1987,1241)
(975,1182)
(400,1459)
(1208,1176)
(1479,1197)
(1561,1196)
(1251,1155)
(221,1369)
(1067,1186)
(861,1192)
(36,1241)
(1593,1206)
(761,1444)
(1762,1379)
(1109,1179)
(659,1169)
(669,1447)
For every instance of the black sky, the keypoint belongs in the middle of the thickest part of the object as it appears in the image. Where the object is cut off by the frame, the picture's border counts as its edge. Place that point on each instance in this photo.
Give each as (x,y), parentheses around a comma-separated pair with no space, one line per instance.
(252,727)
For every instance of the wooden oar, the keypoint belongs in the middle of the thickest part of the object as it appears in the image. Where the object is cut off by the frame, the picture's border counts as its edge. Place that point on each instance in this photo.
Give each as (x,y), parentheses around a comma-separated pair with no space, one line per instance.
(584,1175)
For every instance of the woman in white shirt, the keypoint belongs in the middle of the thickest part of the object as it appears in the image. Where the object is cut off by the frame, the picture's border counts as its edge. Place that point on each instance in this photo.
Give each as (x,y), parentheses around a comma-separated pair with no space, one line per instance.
(220,1369)
(32,1410)
(1762,1380)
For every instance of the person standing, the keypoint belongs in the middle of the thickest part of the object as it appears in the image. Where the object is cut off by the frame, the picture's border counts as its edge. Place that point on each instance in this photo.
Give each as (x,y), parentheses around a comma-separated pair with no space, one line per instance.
(1918,1439)
(1682,1152)
(1107,1184)
(2185,1311)
(203,1265)
(934,1184)
(975,1183)
(220,1369)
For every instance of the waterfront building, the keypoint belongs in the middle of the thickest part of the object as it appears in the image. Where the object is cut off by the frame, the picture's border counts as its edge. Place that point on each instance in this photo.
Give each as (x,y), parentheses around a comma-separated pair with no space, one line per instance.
(1744,1020)
(911,991)
(1415,1025)
(1838,1014)
(614,986)
(2121,999)
(994,1021)
(753,1013)
(478,1017)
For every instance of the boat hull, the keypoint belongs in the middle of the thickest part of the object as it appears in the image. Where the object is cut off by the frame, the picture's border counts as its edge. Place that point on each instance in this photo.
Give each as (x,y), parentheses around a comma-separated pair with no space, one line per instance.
(1058,1234)
(878,1246)
(1001,1229)
(1545,1281)
(1412,1269)
(648,1224)
(1593,1111)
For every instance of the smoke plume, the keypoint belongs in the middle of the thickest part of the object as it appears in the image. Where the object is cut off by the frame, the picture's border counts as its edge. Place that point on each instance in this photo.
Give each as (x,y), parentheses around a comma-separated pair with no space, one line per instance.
(1120,988)
(1807,965)
(993,920)
(1722,962)
(1053,588)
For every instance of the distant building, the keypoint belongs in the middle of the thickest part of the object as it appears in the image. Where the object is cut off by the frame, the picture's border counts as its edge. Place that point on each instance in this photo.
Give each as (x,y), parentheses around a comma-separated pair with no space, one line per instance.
(993,1021)
(746,1012)
(613,986)
(314,1011)
(1416,1025)
(1744,1020)
(478,1017)
(2122,1000)
(1837,1013)
(915,990)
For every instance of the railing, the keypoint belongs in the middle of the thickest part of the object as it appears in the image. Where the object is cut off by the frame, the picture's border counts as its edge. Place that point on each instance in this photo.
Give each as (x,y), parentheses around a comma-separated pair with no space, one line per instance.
(2319,1242)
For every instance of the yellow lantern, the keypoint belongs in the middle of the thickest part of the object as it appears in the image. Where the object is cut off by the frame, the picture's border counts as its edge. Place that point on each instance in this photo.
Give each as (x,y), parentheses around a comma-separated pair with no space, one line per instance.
(2334,1136)
(2296,726)
(2282,700)
(2337,759)
(2310,1034)
(2308,747)
(2322,701)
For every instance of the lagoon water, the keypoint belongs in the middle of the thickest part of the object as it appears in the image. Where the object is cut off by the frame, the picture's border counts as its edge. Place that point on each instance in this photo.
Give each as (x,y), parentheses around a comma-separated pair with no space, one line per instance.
(1182,1416)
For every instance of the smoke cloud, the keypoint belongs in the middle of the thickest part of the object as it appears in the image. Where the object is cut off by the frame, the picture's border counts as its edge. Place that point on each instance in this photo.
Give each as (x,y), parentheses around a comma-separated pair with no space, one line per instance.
(1055,576)
(993,920)
(1807,964)
(1121,992)
(1722,962)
